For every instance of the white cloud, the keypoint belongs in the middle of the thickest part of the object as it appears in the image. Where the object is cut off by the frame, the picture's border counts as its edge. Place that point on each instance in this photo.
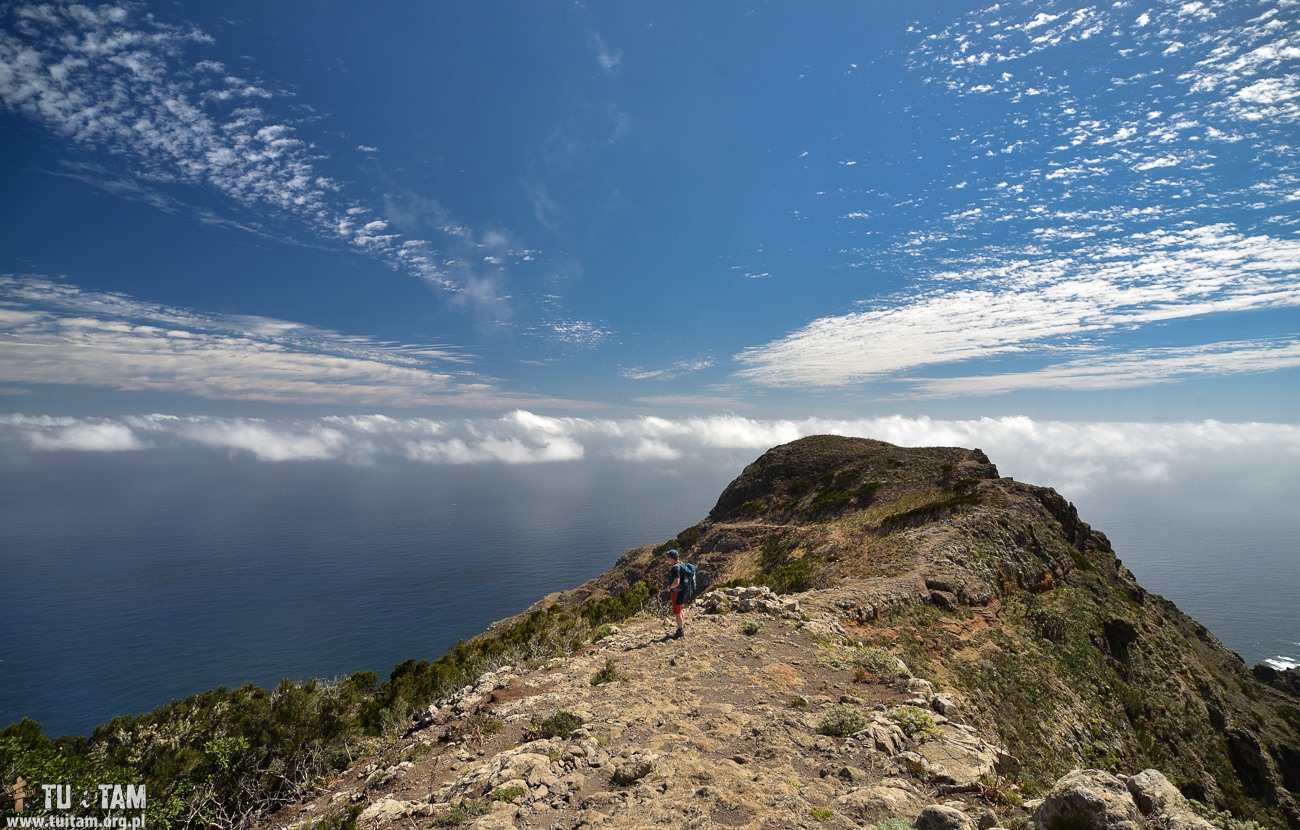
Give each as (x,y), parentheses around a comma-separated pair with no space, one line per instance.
(1086,273)
(671,372)
(78,435)
(55,333)
(1142,367)
(608,59)
(582,333)
(120,82)
(266,442)
(1073,457)
(1203,81)
(1031,304)
(1155,163)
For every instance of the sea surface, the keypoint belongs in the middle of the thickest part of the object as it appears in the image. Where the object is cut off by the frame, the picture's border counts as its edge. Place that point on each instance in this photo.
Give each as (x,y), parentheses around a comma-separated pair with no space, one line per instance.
(130,581)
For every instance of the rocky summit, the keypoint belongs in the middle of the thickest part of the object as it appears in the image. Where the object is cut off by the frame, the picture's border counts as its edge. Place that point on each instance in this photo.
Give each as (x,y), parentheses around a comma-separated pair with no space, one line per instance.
(889,637)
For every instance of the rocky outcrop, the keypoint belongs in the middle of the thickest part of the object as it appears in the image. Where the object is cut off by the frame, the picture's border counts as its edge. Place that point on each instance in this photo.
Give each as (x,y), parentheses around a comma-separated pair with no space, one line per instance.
(723,727)
(759,599)
(1088,800)
(892,633)
(1098,800)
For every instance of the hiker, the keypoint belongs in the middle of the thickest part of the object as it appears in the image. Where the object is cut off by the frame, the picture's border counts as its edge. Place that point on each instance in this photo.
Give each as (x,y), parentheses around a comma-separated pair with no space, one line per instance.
(675,592)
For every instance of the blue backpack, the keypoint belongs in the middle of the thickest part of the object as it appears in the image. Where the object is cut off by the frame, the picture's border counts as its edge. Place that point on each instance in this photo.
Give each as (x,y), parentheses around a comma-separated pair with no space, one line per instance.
(687,586)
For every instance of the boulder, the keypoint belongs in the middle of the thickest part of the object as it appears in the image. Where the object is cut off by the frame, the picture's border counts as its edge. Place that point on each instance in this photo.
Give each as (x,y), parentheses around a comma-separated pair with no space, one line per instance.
(891,797)
(633,770)
(387,809)
(959,757)
(1161,802)
(1088,799)
(939,817)
(749,599)
(945,704)
(883,735)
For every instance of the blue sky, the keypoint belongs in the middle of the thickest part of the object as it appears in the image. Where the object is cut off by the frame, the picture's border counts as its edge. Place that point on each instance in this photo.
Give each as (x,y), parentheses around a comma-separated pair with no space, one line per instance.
(1064,211)
(661,235)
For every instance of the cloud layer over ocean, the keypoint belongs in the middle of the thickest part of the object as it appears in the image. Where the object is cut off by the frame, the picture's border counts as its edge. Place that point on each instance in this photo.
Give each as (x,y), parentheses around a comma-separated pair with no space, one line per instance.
(1073,457)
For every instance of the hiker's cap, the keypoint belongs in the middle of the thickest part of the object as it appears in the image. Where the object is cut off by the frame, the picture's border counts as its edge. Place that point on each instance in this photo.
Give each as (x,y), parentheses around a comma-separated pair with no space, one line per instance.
(672,554)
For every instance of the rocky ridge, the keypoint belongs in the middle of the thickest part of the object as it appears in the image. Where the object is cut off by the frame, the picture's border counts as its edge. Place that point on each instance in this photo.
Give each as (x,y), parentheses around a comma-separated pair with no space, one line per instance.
(946,647)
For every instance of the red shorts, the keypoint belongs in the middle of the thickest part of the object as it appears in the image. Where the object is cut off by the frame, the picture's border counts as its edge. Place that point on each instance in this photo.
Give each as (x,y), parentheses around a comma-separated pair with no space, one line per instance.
(677,601)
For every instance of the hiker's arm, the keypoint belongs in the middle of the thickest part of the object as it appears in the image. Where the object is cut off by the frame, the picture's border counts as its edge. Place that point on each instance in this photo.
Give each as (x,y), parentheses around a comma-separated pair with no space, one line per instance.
(676,582)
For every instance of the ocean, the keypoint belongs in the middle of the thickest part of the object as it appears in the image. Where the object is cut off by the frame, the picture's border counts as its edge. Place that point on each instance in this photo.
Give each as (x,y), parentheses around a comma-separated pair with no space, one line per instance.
(132,580)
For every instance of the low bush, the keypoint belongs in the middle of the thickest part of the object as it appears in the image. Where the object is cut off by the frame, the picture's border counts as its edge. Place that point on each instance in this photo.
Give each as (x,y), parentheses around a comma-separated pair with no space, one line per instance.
(509,794)
(477,728)
(559,725)
(457,816)
(915,722)
(607,674)
(843,720)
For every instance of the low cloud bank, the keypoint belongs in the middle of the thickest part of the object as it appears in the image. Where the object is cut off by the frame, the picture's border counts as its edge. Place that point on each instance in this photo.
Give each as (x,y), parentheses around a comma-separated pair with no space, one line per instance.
(1073,457)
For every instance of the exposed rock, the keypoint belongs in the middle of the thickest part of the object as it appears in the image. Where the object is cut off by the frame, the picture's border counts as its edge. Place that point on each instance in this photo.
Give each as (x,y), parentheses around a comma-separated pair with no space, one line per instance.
(939,817)
(884,735)
(1088,800)
(386,810)
(994,590)
(759,599)
(633,770)
(961,757)
(1161,802)
(944,704)
(891,797)
(1287,680)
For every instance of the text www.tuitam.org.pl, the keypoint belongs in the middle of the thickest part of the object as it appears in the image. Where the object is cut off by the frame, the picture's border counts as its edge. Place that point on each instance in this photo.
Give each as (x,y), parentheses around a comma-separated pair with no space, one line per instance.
(61,804)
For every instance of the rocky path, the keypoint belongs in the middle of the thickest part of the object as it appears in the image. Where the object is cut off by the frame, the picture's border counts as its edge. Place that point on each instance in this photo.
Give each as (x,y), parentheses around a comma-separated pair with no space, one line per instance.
(724,728)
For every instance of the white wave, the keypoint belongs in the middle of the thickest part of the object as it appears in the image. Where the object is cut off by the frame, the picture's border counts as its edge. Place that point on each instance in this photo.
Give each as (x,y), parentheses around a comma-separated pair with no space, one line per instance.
(1283,663)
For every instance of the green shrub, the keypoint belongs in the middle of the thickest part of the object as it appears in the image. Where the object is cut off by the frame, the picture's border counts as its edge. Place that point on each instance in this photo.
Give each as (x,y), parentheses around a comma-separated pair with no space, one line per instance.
(682,541)
(477,728)
(877,662)
(914,721)
(799,703)
(511,794)
(1048,623)
(820,813)
(617,608)
(608,674)
(457,816)
(795,576)
(601,633)
(928,512)
(343,821)
(843,720)
(841,494)
(999,792)
(750,627)
(773,554)
(559,725)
